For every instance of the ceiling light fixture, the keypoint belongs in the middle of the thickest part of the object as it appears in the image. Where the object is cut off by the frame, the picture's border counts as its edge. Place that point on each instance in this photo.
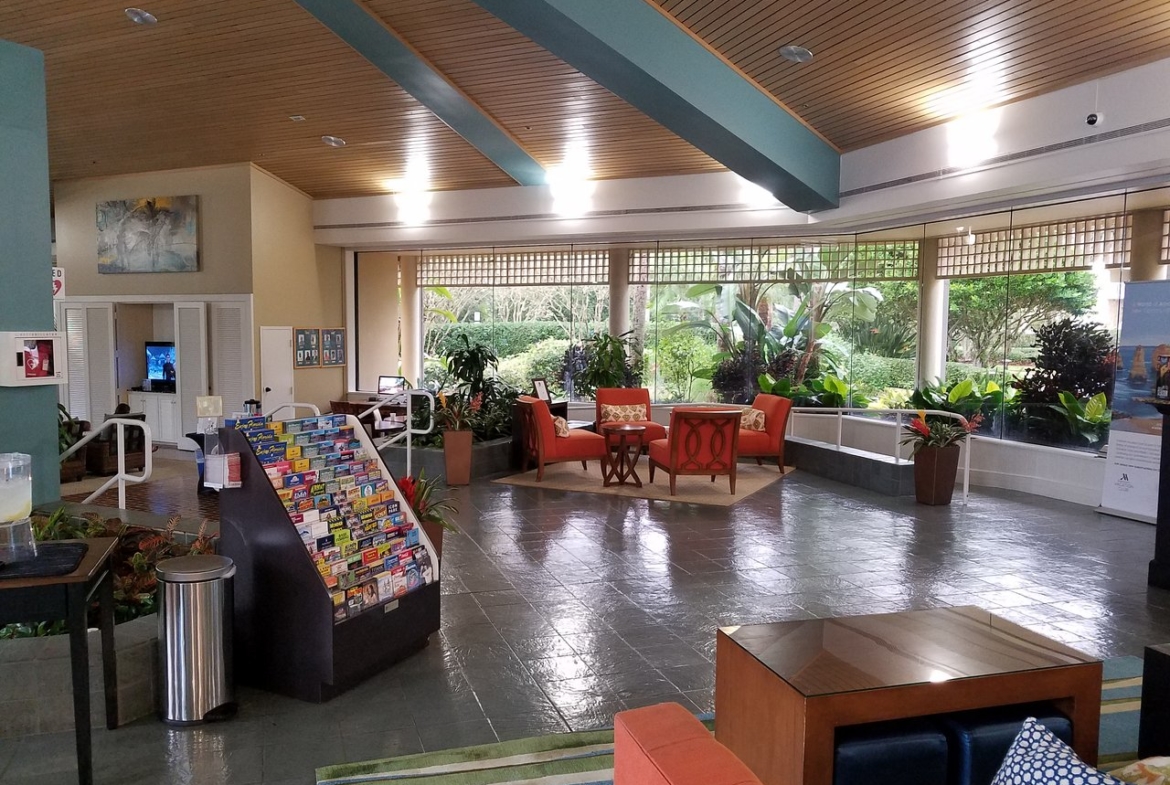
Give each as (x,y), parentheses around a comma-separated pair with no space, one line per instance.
(140,17)
(797,54)
(333,141)
(297,118)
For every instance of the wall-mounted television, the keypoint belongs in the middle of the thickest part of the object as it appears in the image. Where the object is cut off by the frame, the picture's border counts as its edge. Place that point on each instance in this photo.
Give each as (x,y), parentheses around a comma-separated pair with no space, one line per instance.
(160,361)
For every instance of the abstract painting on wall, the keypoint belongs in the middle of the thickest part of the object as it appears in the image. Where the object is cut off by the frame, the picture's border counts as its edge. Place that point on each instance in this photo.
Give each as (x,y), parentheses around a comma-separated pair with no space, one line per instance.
(156,235)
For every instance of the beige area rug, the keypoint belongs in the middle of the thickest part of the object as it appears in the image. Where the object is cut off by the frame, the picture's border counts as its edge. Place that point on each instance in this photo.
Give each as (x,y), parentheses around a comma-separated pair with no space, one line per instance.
(692,489)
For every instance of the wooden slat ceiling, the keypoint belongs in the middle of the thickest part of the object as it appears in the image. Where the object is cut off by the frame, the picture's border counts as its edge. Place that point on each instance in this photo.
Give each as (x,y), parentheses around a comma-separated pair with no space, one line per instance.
(216,82)
(880,66)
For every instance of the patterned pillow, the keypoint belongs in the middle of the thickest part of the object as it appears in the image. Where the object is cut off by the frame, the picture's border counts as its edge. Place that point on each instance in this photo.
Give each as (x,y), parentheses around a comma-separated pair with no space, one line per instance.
(752,420)
(561,425)
(1036,756)
(1151,771)
(633,412)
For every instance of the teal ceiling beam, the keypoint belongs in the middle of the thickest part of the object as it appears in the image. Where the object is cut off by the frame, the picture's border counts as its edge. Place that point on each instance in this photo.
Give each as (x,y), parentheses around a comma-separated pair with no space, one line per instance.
(374,40)
(646,58)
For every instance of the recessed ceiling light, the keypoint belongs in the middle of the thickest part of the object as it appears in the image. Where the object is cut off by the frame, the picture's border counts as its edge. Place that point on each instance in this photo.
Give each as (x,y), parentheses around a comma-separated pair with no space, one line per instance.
(140,17)
(333,141)
(297,118)
(797,54)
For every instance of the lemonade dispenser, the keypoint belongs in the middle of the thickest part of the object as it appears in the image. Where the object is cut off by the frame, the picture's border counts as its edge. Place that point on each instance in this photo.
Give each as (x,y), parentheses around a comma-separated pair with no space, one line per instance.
(16,538)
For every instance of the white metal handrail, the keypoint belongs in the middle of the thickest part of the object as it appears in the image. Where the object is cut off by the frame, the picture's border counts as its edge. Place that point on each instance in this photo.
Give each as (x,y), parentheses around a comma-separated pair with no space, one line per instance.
(294,406)
(841,412)
(409,430)
(122,477)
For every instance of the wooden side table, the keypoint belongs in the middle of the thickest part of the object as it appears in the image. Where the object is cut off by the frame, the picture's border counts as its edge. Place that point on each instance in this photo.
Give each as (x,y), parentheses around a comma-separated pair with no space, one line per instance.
(67,597)
(623,445)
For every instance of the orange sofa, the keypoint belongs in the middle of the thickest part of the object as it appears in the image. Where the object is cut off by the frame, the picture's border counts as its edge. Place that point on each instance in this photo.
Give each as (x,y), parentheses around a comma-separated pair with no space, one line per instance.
(543,446)
(768,443)
(666,745)
(630,396)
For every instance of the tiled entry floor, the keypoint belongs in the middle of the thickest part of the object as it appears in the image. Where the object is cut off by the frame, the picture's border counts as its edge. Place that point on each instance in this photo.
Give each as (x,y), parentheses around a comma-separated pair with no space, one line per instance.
(561,609)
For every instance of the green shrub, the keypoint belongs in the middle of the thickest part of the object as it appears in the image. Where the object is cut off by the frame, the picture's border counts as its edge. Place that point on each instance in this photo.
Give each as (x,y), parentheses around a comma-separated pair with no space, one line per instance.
(507,339)
(542,361)
(871,374)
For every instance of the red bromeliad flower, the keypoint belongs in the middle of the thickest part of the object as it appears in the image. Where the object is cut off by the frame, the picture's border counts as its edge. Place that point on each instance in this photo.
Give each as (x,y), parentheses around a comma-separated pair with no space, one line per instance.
(920,426)
(406,485)
(477,402)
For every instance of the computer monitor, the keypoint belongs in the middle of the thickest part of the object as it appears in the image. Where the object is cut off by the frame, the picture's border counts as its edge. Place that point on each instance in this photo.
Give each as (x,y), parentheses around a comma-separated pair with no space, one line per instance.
(391,385)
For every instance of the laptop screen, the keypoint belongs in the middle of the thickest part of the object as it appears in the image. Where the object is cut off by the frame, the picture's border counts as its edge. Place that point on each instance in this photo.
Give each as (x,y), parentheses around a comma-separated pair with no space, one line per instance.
(391,385)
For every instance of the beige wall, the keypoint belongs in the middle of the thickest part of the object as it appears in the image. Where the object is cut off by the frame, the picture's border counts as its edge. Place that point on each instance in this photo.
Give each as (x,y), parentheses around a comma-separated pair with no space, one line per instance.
(135,326)
(376,291)
(294,282)
(225,245)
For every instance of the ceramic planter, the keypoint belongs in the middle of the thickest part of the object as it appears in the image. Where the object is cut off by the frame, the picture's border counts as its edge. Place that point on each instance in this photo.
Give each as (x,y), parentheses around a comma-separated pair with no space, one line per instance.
(934,474)
(457,456)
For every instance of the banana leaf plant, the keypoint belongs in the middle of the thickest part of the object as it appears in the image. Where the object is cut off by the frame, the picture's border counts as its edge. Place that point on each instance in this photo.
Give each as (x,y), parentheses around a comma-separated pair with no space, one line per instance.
(1088,419)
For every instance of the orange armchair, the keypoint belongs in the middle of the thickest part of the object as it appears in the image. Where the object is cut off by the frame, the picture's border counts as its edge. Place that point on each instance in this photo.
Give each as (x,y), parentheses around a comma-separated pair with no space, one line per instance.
(629,396)
(666,745)
(542,445)
(701,441)
(770,441)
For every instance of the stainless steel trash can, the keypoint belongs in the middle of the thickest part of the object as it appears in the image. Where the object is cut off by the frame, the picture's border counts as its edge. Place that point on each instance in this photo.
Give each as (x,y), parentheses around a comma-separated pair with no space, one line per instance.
(195,639)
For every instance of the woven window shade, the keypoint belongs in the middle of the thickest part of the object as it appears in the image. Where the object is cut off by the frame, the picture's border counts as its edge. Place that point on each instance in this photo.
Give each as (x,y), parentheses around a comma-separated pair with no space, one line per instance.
(810,261)
(1042,248)
(515,268)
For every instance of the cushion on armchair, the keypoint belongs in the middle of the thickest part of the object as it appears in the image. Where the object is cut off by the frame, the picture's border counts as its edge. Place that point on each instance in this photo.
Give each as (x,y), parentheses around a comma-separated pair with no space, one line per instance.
(752,420)
(632,412)
(1037,756)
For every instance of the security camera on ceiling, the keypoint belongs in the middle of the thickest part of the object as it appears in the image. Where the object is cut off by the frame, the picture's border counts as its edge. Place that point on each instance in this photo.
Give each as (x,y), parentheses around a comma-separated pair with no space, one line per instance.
(1095,119)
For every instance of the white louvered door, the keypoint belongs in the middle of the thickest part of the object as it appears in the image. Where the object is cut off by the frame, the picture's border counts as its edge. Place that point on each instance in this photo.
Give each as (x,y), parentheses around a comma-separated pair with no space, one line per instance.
(232,376)
(191,365)
(89,348)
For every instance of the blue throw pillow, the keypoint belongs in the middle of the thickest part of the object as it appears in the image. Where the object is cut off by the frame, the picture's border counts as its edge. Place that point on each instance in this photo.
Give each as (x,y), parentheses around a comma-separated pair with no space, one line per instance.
(1037,757)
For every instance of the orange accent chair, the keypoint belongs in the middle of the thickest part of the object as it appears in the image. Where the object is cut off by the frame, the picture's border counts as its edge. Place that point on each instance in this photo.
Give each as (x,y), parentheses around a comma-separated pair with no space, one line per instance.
(542,445)
(666,745)
(630,396)
(770,441)
(702,441)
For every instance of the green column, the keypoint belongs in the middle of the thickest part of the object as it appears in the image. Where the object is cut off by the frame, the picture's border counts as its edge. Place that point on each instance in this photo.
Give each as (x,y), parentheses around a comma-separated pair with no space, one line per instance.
(28,415)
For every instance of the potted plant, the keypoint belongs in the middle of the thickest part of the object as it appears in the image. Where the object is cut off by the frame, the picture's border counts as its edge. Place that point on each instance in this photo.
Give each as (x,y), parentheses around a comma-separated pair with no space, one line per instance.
(454,416)
(69,432)
(431,509)
(936,442)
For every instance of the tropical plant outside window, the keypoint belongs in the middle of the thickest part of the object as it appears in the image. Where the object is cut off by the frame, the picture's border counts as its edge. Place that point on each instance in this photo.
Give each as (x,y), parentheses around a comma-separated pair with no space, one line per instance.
(1030,312)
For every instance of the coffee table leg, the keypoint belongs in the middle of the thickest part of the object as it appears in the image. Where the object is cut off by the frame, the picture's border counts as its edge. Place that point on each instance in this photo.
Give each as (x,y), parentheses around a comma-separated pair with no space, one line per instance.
(109,657)
(79,659)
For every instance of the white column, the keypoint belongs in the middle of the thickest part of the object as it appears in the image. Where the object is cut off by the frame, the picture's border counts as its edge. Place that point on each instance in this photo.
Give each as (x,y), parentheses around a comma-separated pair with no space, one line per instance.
(619,291)
(412,320)
(1145,260)
(932,316)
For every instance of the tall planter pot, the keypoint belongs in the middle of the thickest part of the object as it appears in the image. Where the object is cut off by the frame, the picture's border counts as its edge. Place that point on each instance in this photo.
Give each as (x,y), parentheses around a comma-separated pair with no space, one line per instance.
(934,474)
(434,532)
(457,456)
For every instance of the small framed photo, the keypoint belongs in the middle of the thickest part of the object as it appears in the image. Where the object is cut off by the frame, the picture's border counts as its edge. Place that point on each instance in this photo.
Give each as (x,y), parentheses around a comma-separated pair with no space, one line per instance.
(308,343)
(540,387)
(333,344)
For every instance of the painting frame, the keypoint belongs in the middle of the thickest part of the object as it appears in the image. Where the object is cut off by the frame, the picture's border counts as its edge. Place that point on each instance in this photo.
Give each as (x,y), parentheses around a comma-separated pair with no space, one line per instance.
(540,387)
(155,234)
(332,347)
(306,347)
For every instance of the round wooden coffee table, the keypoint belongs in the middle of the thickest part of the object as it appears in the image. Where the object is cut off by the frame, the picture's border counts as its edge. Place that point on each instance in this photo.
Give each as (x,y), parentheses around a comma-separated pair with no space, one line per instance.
(623,443)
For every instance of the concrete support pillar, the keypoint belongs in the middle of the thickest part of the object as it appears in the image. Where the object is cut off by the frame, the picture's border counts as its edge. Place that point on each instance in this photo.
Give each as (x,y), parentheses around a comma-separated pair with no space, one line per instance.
(376,293)
(1145,259)
(619,291)
(932,316)
(412,320)
(28,415)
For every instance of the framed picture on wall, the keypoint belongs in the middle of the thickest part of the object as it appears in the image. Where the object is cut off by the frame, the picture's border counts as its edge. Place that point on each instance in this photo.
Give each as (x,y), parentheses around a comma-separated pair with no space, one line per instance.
(307,347)
(333,346)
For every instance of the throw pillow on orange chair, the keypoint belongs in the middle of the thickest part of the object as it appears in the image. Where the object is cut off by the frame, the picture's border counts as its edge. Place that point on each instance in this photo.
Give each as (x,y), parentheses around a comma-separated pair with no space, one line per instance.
(561,426)
(753,420)
(634,412)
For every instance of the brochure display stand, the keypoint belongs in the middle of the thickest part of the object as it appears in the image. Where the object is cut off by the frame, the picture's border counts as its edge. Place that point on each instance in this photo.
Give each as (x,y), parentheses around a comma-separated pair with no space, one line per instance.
(335,581)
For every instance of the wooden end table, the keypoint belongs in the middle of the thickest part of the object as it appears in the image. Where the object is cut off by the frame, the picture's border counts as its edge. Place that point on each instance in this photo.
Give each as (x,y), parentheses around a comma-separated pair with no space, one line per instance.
(623,445)
(67,597)
(782,690)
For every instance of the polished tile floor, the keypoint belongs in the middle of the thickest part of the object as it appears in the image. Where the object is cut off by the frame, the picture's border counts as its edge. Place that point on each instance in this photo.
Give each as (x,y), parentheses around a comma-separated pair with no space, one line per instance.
(561,609)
